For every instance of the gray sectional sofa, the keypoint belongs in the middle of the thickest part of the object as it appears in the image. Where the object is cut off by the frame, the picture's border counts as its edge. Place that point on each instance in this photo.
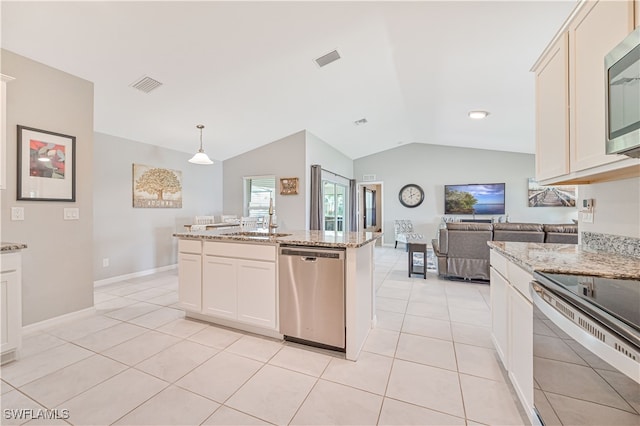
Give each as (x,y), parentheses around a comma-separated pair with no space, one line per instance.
(462,251)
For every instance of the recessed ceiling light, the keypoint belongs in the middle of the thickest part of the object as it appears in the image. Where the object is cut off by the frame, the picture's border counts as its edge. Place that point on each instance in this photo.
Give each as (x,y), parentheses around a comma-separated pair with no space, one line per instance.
(478,115)
(360,122)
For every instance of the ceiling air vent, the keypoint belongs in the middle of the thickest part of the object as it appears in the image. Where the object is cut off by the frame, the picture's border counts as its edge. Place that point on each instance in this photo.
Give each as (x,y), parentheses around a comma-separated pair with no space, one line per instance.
(328,58)
(146,84)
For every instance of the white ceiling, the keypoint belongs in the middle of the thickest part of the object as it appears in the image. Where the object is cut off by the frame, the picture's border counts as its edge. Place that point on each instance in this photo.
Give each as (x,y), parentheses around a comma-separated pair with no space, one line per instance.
(245,69)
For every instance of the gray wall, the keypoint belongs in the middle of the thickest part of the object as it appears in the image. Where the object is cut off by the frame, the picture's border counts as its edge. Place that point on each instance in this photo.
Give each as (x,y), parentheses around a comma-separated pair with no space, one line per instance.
(282,158)
(433,166)
(58,265)
(139,239)
(616,207)
(320,152)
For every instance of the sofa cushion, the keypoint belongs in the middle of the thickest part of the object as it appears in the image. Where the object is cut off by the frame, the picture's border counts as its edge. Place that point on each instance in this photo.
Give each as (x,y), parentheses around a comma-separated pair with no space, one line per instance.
(566,228)
(521,232)
(511,226)
(464,226)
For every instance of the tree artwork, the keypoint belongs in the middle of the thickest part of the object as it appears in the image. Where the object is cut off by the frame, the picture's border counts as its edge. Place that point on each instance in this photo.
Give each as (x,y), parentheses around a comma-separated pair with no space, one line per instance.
(163,186)
(158,181)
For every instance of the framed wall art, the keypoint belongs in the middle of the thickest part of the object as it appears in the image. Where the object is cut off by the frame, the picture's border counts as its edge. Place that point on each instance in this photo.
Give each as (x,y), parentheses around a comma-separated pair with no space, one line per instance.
(288,186)
(551,196)
(46,165)
(155,187)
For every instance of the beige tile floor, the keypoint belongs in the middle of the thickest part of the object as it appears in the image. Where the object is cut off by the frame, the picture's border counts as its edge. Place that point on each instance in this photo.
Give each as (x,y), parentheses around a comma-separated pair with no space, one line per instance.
(137,361)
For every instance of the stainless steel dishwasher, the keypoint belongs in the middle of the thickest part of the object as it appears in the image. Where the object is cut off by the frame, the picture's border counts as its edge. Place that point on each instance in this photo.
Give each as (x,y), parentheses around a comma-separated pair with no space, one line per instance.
(312,304)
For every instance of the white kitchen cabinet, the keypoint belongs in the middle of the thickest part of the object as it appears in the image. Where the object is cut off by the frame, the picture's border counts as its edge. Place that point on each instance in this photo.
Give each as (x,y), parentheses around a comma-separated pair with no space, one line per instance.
(597,28)
(521,347)
(219,287)
(4,79)
(10,306)
(232,282)
(500,315)
(570,136)
(257,293)
(512,325)
(190,274)
(552,112)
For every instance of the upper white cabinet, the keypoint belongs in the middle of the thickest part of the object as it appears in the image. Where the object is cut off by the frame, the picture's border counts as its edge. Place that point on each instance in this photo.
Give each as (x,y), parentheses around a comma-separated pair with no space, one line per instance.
(3,128)
(570,97)
(594,32)
(552,111)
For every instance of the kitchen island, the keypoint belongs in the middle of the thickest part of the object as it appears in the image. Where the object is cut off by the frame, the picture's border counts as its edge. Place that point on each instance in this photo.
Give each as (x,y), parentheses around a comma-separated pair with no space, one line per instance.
(231,278)
(514,325)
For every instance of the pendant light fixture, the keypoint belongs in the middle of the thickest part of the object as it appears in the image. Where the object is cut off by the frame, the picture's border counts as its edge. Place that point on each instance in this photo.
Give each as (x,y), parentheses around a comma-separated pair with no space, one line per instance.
(200,157)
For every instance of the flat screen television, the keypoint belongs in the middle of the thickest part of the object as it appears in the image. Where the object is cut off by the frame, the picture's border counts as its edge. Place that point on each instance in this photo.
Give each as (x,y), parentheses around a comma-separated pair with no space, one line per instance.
(474,198)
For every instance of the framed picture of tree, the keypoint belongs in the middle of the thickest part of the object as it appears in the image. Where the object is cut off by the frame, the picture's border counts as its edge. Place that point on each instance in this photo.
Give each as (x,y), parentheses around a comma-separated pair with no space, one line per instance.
(155,187)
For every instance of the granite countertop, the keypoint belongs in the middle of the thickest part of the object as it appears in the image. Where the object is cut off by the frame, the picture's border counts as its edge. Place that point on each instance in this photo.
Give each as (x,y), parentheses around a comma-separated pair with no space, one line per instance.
(299,238)
(9,247)
(568,259)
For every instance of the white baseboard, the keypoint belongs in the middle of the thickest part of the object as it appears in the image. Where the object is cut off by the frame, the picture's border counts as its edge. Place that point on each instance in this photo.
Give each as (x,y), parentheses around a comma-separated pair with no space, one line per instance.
(83,313)
(115,279)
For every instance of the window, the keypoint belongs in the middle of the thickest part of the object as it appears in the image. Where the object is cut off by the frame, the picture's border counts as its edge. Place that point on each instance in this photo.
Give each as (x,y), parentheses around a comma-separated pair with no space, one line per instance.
(334,196)
(259,191)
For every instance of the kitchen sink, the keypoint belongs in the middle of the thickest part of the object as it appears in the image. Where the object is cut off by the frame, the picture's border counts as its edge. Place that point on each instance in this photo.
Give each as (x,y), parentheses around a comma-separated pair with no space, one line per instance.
(257,234)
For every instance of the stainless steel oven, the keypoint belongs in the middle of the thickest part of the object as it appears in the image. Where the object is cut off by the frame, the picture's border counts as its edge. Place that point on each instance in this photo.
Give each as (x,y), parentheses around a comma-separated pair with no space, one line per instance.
(586,350)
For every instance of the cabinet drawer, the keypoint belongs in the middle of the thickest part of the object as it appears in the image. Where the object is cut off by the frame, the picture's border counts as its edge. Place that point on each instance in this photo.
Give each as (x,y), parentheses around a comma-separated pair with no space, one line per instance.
(190,246)
(240,250)
(520,279)
(499,263)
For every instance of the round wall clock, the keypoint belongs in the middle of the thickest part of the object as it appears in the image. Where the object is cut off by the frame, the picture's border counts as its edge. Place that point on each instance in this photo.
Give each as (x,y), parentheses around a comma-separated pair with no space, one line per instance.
(411,195)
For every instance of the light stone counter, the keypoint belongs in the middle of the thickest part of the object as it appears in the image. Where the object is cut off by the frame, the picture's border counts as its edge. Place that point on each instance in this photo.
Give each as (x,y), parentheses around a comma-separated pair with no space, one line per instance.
(568,259)
(299,238)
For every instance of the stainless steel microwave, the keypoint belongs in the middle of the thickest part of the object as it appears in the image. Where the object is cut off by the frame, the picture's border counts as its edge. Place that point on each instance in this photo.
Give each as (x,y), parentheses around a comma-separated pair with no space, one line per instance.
(622,73)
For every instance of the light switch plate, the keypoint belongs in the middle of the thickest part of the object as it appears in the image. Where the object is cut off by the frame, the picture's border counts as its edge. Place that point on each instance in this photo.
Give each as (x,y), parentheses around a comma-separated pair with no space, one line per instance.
(71,213)
(17,213)
(587,217)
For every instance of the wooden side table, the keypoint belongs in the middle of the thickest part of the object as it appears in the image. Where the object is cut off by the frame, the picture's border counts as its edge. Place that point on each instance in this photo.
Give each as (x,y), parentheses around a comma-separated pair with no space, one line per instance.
(413,268)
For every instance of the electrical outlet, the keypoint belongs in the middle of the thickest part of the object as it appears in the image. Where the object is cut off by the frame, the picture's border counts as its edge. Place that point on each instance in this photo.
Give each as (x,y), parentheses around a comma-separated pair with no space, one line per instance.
(105,262)
(71,213)
(17,213)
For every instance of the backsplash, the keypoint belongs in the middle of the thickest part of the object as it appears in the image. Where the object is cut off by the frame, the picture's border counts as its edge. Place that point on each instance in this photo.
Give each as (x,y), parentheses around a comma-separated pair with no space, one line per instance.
(626,246)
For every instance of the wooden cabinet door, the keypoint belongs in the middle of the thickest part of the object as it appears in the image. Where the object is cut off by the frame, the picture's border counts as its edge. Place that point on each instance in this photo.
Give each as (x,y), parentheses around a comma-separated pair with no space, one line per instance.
(596,29)
(190,281)
(500,315)
(219,297)
(552,112)
(257,293)
(521,347)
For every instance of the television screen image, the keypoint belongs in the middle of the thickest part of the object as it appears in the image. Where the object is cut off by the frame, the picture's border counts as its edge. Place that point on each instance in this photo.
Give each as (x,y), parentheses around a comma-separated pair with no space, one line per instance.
(474,199)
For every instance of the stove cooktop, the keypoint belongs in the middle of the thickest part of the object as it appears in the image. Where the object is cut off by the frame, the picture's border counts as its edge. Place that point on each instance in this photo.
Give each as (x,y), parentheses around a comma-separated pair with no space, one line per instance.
(620,298)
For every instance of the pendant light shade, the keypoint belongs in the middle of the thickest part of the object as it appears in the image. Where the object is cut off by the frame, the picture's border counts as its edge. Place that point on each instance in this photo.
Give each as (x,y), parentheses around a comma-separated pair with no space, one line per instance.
(200,157)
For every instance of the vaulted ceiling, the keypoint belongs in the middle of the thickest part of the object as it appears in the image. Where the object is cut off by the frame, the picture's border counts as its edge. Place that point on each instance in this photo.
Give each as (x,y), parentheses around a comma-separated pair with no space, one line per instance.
(246,70)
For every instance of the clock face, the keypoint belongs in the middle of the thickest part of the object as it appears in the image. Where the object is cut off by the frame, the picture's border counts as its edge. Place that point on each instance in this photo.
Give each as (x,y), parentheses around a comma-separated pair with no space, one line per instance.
(411,195)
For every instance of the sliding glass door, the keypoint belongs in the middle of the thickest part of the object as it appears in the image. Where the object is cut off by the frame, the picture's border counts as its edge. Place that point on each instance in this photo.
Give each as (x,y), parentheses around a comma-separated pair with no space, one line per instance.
(334,206)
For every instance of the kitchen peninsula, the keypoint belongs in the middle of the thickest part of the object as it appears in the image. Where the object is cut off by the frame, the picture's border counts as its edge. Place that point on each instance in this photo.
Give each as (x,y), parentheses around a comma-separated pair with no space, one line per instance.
(231,278)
